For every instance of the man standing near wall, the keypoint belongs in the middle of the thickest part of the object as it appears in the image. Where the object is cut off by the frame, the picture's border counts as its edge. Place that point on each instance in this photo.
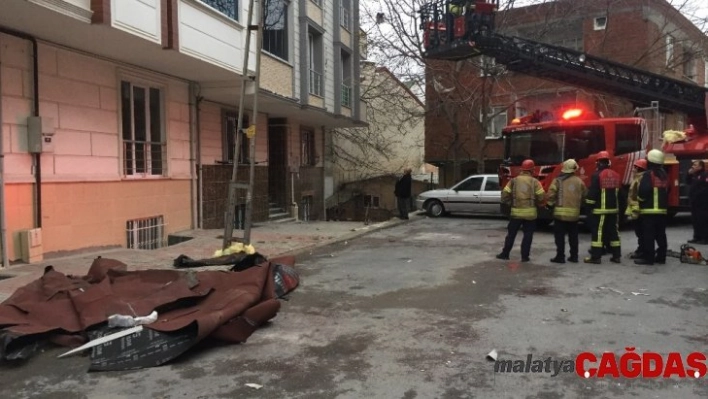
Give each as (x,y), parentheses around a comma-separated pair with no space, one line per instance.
(698,194)
(403,193)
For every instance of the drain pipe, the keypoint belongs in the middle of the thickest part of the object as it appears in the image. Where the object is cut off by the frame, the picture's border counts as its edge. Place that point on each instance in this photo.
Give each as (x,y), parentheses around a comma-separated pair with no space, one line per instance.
(3,226)
(200,174)
(193,153)
(36,158)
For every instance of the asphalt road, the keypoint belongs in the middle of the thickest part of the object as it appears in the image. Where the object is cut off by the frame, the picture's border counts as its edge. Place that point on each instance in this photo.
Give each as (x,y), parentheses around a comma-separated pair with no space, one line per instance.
(412,311)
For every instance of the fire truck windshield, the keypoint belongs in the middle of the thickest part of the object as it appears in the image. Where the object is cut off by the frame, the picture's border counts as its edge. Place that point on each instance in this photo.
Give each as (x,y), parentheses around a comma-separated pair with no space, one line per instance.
(553,145)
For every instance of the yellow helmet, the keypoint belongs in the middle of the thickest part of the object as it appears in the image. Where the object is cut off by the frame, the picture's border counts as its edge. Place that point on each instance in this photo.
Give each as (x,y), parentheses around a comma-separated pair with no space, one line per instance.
(655,156)
(569,166)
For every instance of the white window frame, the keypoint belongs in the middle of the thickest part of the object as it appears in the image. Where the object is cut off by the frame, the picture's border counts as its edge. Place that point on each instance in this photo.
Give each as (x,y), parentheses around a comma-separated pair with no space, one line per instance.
(493,120)
(670,49)
(705,72)
(599,23)
(690,67)
(147,85)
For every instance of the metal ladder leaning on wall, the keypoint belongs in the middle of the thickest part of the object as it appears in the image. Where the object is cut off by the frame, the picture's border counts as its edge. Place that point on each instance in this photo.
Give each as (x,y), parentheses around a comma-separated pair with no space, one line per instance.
(251,131)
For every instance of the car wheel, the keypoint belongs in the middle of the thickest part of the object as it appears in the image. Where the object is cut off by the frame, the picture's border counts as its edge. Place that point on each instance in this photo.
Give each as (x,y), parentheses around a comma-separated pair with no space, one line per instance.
(435,208)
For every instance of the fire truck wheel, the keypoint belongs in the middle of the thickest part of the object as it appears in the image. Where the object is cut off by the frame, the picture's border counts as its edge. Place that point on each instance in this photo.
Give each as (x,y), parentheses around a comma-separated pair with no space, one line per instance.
(435,208)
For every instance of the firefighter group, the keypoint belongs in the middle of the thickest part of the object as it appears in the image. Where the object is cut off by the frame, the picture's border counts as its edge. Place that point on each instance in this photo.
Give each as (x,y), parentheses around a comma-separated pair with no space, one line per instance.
(568,196)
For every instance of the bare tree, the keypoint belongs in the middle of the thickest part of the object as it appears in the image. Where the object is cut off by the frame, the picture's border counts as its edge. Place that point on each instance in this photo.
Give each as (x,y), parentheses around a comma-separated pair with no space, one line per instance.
(459,100)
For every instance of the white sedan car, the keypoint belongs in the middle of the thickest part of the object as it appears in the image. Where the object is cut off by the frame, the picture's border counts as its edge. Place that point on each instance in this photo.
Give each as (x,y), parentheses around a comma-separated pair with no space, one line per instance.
(477,194)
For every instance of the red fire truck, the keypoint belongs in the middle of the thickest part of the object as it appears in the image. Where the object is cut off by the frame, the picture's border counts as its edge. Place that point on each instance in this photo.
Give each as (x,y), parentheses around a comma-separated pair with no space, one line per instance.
(548,138)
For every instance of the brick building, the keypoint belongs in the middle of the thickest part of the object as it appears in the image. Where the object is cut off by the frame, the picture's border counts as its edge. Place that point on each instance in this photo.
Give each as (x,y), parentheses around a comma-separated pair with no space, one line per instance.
(118,116)
(647,34)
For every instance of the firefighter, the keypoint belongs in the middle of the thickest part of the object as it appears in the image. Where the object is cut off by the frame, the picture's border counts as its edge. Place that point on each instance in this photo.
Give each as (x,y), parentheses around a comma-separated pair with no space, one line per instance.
(524,193)
(565,198)
(632,211)
(698,195)
(653,197)
(602,203)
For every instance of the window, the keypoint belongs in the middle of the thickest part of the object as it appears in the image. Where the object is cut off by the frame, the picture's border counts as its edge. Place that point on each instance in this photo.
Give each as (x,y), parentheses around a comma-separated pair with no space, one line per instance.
(487,66)
(690,67)
(496,121)
(229,124)
(492,184)
(628,138)
(314,48)
(371,201)
(346,79)
(670,41)
(600,23)
(226,7)
(307,148)
(142,125)
(345,15)
(472,184)
(275,28)
(554,145)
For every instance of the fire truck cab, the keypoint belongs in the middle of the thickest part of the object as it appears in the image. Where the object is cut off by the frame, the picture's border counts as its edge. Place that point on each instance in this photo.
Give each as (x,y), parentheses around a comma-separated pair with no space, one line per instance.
(549,140)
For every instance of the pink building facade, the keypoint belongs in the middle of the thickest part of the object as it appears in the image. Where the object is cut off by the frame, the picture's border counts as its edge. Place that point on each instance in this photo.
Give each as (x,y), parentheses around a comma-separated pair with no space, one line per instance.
(137,103)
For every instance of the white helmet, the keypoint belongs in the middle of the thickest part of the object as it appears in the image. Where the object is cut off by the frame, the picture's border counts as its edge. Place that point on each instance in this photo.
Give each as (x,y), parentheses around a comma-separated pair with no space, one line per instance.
(656,157)
(569,166)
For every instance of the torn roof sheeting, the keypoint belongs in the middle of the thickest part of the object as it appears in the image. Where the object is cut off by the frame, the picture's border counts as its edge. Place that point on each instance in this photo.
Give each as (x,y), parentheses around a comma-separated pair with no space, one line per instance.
(226,305)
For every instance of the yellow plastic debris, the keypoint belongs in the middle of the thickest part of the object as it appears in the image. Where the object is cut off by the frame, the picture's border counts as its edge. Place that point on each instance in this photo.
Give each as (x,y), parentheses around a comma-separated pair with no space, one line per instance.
(236,248)
(674,136)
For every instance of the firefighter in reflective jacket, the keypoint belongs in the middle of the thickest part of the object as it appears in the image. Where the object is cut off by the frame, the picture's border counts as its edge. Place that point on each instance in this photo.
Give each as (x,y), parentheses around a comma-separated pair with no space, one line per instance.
(524,193)
(565,198)
(602,203)
(653,197)
(632,211)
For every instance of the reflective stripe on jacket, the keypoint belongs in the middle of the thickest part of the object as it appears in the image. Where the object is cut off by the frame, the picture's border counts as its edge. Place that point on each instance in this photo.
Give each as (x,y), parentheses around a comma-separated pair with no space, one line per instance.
(566,195)
(653,192)
(602,193)
(632,200)
(524,193)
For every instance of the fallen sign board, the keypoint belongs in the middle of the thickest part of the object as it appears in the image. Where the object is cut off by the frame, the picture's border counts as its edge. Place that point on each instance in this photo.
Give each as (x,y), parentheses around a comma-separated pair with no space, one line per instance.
(143,348)
(102,340)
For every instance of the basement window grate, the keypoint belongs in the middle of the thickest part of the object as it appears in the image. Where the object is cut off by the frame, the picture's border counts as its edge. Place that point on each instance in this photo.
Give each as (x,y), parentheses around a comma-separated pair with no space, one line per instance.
(146,233)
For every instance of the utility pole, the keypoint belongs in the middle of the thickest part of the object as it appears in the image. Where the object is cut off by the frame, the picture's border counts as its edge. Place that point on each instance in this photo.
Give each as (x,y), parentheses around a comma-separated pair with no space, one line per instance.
(245,79)
(252,129)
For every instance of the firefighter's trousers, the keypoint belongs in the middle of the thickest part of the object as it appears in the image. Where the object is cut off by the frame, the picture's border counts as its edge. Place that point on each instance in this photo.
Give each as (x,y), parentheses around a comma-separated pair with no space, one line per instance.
(560,229)
(604,228)
(512,228)
(654,230)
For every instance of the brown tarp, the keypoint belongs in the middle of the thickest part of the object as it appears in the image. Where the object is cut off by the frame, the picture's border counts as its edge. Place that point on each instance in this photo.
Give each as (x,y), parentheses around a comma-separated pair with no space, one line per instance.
(226,305)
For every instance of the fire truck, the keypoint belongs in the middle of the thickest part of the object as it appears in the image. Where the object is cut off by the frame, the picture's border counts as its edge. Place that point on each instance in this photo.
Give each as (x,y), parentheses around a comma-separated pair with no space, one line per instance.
(455,30)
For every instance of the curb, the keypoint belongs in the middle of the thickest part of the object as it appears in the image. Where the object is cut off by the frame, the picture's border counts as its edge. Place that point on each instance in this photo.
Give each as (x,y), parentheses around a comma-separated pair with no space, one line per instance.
(359,232)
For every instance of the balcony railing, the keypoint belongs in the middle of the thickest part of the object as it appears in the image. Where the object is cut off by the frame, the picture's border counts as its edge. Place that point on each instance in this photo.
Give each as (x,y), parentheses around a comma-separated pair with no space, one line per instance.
(316,83)
(346,96)
(226,7)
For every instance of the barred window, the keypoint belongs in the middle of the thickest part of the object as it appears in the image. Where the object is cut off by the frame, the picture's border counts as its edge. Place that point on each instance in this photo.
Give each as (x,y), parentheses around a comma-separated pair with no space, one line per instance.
(275,28)
(142,126)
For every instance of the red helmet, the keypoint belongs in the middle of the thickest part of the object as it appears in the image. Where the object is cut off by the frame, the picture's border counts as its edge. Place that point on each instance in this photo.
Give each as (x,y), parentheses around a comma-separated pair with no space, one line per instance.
(527,165)
(640,163)
(603,155)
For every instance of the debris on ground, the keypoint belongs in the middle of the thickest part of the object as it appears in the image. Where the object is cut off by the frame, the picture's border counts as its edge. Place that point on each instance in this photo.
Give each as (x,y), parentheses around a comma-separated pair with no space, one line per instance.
(492,356)
(182,308)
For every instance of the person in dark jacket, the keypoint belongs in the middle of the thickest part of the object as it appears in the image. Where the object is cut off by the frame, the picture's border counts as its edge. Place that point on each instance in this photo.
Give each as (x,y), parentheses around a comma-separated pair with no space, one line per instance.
(603,208)
(653,196)
(403,193)
(698,195)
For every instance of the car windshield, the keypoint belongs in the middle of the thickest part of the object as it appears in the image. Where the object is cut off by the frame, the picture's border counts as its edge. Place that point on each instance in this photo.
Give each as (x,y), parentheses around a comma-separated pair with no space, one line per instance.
(553,145)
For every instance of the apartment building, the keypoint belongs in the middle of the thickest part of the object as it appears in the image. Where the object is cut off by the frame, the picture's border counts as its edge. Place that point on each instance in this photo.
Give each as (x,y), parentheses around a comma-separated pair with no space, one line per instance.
(118,116)
(648,34)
